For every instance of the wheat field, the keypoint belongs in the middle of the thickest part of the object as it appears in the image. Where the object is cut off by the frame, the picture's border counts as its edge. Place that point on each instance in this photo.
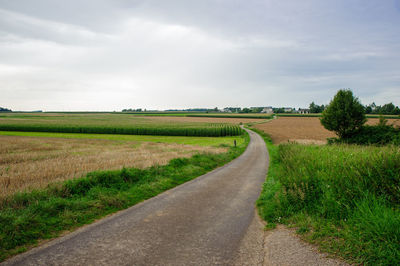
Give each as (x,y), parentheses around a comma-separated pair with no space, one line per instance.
(28,163)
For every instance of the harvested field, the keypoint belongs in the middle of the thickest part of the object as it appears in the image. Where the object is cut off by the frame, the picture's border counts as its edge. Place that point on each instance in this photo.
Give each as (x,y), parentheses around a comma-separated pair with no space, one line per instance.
(177,119)
(306,130)
(374,121)
(27,163)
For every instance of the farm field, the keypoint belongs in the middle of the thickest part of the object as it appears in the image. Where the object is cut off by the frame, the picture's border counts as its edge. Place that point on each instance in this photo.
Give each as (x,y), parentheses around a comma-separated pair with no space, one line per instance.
(188,140)
(34,162)
(92,175)
(305,130)
(70,187)
(195,119)
(123,119)
(118,124)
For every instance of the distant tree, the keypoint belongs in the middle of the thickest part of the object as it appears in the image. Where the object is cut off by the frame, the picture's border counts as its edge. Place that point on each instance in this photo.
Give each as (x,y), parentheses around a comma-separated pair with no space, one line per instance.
(245,110)
(387,109)
(344,114)
(368,109)
(278,110)
(256,109)
(5,109)
(315,108)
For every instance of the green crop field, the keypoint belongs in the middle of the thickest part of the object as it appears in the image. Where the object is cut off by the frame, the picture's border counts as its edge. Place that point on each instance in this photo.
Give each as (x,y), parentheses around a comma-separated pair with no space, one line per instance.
(112,124)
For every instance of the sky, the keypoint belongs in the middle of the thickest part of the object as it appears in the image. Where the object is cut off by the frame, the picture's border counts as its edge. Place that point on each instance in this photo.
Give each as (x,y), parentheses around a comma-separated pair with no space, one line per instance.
(108,55)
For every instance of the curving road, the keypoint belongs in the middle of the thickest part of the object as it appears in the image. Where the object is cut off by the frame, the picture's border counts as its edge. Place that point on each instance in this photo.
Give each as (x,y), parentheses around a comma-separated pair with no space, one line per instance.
(201,222)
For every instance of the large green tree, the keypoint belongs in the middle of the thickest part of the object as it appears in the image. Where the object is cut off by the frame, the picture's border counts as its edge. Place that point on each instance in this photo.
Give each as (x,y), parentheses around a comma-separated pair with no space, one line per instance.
(344,114)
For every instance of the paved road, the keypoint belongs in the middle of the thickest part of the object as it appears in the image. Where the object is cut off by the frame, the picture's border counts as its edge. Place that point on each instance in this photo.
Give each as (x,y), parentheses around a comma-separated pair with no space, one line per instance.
(201,222)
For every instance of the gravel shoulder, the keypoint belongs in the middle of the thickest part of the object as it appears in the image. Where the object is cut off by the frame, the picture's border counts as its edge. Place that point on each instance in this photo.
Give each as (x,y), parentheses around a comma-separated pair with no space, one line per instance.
(280,246)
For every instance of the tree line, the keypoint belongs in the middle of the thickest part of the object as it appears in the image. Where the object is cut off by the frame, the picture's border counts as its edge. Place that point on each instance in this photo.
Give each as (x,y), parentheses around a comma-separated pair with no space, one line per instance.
(386,109)
(5,109)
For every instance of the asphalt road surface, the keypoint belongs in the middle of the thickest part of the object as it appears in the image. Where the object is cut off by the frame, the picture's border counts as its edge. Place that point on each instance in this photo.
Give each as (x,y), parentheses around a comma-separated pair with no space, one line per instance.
(201,222)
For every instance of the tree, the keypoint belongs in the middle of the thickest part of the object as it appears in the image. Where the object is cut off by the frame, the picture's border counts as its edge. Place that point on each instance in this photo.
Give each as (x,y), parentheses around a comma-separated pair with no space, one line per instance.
(344,114)
(315,108)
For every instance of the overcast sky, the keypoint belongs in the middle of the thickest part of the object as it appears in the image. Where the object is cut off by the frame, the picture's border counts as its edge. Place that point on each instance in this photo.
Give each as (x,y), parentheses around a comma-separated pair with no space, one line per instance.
(104,55)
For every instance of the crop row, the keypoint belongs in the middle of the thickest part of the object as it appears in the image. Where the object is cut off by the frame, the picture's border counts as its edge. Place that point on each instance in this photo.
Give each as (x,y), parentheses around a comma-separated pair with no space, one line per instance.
(213,131)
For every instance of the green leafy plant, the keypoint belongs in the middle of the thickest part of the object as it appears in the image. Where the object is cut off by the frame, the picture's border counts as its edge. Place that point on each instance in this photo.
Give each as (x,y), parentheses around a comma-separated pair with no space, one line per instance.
(344,115)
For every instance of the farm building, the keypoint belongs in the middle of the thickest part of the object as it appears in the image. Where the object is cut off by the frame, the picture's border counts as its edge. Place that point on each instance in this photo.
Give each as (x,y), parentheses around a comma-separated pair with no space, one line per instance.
(267,110)
(303,111)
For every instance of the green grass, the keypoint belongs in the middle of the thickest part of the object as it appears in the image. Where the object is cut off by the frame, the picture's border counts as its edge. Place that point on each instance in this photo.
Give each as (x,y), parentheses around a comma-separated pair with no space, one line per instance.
(344,198)
(199,141)
(112,124)
(26,218)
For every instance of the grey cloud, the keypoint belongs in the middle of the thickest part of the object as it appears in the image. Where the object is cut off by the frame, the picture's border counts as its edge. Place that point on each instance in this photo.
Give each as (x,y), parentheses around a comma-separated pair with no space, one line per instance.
(176,54)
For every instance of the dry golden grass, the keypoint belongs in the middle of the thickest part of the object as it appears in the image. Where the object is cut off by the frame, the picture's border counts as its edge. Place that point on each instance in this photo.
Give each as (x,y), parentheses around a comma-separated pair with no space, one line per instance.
(306,130)
(28,162)
(203,119)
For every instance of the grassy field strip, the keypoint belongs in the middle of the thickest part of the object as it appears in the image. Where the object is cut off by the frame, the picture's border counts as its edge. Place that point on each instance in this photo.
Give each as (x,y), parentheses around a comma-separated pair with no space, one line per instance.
(26,218)
(199,141)
(343,198)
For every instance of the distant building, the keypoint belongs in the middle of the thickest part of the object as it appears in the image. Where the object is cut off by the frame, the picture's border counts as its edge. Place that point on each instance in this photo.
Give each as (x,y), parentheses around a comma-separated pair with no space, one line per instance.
(303,111)
(268,110)
(232,109)
(288,109)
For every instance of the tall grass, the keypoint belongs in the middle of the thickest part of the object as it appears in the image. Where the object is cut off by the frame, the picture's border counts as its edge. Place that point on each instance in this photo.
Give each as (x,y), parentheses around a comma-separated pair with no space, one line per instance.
(345,198)
(215,130)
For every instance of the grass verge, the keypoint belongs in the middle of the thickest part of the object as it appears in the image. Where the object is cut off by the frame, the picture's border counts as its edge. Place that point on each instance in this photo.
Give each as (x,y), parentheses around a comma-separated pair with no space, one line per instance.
(27,218)
(343,198)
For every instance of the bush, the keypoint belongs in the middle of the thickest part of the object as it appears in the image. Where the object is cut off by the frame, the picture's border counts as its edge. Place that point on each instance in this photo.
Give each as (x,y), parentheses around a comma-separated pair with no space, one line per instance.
(367,135)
